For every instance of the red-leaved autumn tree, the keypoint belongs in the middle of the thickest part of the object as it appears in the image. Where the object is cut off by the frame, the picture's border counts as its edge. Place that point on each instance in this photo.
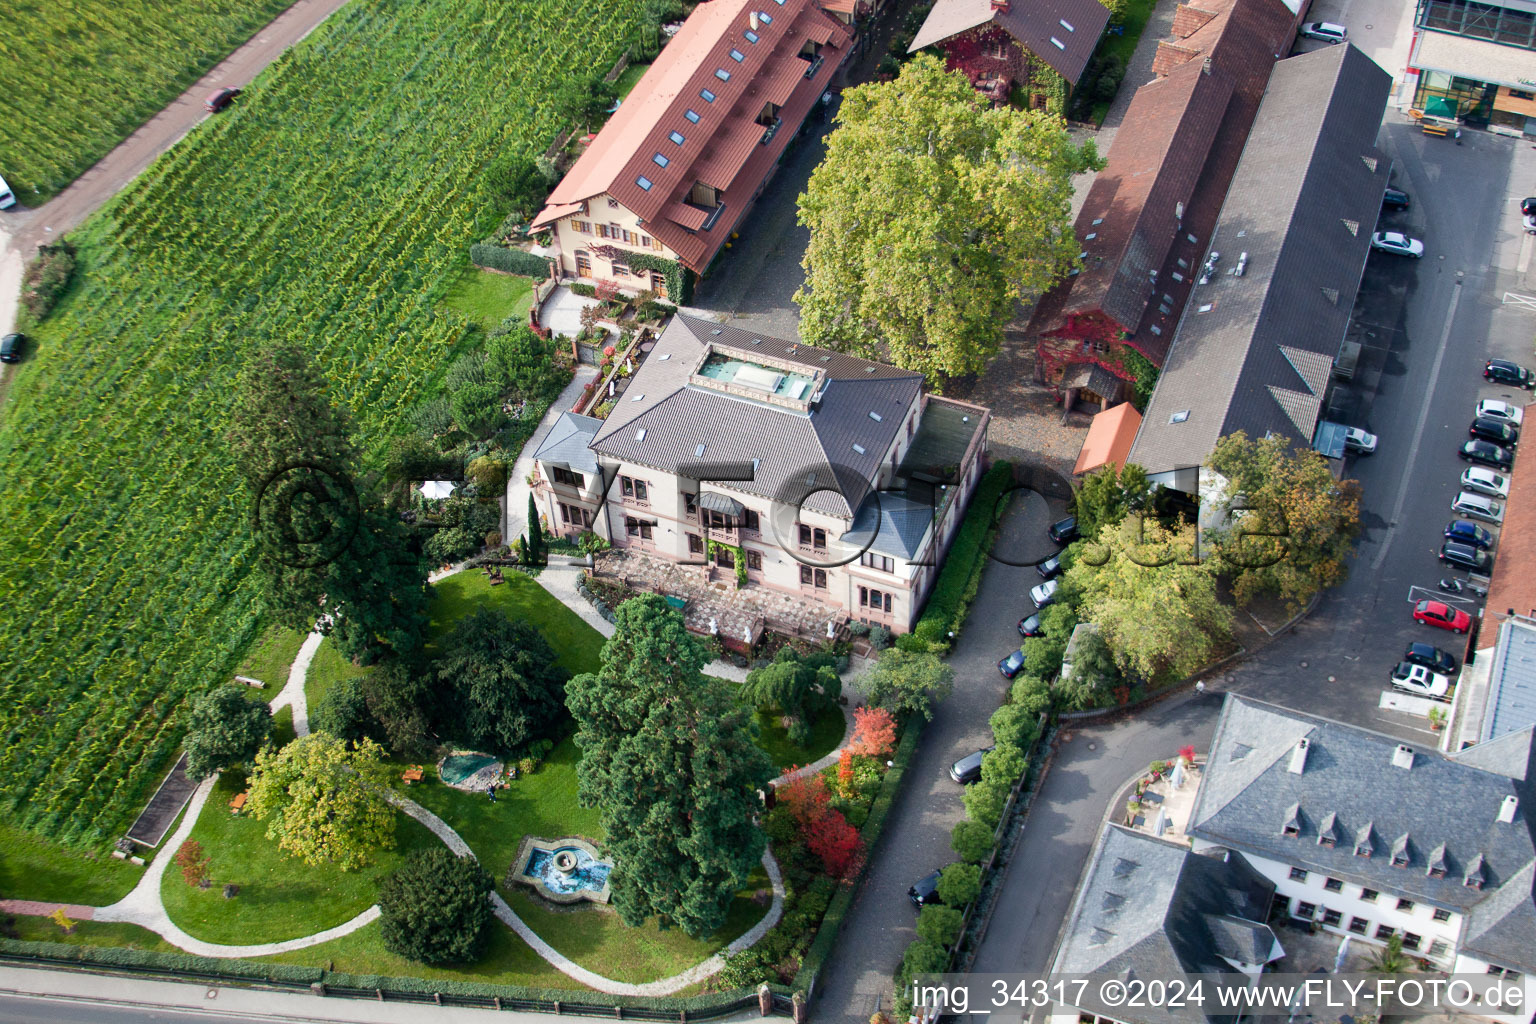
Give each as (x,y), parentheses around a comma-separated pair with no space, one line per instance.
(874,732)
(837,844)
(845,773)
(194,866)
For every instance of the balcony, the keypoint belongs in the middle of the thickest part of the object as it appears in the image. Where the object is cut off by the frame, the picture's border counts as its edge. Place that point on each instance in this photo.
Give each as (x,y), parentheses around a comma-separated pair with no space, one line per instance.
(810,72)
(771,131)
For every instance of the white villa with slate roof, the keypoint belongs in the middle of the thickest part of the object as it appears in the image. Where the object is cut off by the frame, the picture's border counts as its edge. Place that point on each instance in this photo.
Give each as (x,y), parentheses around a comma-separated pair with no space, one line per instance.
(1367,836)
(1352,831)
(834,478)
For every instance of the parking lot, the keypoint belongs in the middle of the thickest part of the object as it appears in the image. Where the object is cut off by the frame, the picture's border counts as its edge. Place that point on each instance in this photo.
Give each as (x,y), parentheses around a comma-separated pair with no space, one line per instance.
(1426,327)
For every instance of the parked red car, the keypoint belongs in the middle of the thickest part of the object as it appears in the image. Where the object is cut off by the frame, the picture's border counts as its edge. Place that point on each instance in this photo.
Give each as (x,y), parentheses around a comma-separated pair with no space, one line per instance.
(1436,613)
(221,99)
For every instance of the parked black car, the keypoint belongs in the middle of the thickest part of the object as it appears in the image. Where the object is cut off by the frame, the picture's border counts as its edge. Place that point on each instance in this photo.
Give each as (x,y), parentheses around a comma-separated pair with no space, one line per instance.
(11,346)
(1465,556)
(1065,531)
(925,891)
(1487,453)
(1050,568)
(1431,657)
(1464,531)
(1497,431)
(1502,371)
(1394,199)
(1011,665)
(968,769)
(1030,626)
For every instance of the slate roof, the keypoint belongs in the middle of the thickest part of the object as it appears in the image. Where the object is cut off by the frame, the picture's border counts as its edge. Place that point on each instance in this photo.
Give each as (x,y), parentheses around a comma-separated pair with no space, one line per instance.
(724,147)
(1130,217)
(1503,927)
(791,446)
(893,524)
(1036,25)
(1251,352)
(1511,701)
(1156,909)
(567,443)
(1442,808)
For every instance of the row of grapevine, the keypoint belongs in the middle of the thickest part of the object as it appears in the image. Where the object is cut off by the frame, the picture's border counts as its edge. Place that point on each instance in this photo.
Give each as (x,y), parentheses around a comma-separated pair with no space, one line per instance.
(327,209)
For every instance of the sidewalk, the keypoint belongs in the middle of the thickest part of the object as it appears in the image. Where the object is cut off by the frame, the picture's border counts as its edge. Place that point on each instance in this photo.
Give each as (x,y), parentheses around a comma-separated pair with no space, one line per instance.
(225,1001)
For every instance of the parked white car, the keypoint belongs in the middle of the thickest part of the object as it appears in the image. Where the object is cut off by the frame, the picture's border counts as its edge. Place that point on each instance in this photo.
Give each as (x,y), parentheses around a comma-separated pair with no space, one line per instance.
(1417,679)
(1493,409)
(1478,506)
(1482,480)
(1397,243)
(1045,593)
(1359,442)
(1327,31)
(7,197)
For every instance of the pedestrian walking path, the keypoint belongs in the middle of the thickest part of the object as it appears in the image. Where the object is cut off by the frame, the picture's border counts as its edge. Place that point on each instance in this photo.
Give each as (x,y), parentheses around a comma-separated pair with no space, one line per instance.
(35,908)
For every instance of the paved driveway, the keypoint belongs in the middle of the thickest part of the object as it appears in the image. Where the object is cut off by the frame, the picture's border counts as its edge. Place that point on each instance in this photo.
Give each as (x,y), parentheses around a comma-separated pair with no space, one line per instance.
(856,980)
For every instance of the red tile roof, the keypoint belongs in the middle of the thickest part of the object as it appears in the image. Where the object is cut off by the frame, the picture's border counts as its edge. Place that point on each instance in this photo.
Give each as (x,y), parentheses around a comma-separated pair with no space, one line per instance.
(725,147)
(1131,215)
(1109,439)
(1514,570)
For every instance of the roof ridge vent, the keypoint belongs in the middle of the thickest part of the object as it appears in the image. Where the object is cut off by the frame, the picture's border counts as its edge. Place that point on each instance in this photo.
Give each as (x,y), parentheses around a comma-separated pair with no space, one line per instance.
(1402,757)
(1508,807)
(1299,756)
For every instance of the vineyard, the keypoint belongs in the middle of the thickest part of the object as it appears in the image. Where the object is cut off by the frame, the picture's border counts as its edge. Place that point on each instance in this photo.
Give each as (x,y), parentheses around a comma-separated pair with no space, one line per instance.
(330,208)
(78,76)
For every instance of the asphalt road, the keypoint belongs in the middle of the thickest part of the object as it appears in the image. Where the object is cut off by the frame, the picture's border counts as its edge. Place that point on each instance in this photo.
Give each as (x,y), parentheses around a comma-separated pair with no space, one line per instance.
(1428,325)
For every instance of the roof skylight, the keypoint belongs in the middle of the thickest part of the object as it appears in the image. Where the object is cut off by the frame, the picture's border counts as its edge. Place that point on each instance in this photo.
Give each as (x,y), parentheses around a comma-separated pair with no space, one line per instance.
(738,56)
(676,137)
(722,74)
(708,96)
(751,36)
(643,182)
(660,160)
(692,115)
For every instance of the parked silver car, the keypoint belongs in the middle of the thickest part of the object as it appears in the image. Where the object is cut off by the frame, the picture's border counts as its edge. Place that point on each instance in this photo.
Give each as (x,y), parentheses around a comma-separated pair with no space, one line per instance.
(1478,506)
(1482,480)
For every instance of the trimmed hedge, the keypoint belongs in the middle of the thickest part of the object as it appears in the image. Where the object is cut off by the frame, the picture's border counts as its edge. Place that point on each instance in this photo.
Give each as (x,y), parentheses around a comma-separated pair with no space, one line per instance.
(832,921)
(960,577)
(186,964)
(511,261)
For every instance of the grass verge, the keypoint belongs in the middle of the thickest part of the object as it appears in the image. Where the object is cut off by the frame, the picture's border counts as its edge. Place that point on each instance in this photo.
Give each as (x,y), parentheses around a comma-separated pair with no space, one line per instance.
(270,659)
(280,897)
(31,868)
(488,298)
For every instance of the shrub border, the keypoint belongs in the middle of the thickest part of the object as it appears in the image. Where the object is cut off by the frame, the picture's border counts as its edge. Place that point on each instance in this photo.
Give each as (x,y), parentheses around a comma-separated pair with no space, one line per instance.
(966,559)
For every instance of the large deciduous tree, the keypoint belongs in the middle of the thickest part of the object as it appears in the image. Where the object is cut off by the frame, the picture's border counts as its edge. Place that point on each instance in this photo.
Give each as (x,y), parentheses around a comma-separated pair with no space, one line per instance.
(800,686)
(907,683)
(323,802)
(668,756)
(1155,605)
(506,690)
(434,908)
(1108,495)
(1299,529)
(226,728)
(930,215)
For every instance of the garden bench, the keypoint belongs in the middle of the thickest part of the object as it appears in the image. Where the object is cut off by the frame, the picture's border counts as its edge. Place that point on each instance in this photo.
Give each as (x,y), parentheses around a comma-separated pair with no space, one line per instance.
(411,775)
(1437,129)
(238,803)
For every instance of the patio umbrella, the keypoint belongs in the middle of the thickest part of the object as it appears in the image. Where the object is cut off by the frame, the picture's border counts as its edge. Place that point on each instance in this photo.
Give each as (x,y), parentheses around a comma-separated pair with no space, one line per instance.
(1440,106)
(437,488)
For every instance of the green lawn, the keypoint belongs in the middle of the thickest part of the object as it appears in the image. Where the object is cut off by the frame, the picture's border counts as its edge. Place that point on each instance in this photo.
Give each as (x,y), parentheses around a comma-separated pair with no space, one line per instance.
(280,897)
(596,939)
(31,868)
(826,733)
(578,647)
(630,78)
(507,961)
(92,933)
(543,804)
(489,298)
(329,668)
(270,658)
(1137,13)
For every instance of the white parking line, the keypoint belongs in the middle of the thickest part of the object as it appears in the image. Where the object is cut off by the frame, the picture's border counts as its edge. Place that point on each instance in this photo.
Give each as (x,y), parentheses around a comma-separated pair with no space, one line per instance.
(1525,252)
(1436,595)
(1515,298)
(1418,430)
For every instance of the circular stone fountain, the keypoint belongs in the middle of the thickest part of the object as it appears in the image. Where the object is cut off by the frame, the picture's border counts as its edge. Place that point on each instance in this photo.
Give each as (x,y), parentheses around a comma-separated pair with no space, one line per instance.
(562,870)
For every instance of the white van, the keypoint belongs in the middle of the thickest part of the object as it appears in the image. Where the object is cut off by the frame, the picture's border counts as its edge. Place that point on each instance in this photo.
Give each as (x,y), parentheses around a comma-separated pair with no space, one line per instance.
(7,197)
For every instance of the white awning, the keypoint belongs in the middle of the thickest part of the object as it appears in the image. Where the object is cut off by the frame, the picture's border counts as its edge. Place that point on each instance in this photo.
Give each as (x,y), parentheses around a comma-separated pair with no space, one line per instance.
(438,488)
